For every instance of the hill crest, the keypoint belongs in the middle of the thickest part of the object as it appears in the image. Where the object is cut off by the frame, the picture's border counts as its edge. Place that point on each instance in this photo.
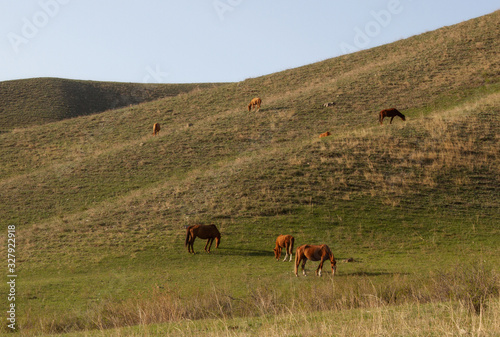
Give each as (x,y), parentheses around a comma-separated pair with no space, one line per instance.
(43,100)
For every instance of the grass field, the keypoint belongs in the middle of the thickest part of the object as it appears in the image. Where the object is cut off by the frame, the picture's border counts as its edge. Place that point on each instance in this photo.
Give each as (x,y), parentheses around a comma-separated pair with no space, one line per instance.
(100,204)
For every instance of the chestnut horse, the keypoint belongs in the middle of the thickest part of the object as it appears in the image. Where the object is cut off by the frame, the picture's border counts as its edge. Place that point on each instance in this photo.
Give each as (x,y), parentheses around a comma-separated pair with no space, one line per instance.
(156,129)
(256,102)
(284,241)
(209,232)
(314,253)
(390,113)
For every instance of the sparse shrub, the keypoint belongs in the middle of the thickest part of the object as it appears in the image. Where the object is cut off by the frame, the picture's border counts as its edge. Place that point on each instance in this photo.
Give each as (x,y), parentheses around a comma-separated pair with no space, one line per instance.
(470,284)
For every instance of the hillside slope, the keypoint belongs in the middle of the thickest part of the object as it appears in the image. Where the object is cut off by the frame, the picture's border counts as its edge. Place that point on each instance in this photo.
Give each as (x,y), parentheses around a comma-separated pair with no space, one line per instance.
(417,75)
(42,100)
(100,197)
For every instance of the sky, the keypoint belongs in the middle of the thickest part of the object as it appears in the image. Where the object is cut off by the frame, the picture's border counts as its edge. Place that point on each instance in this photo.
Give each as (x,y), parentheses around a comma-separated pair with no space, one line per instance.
(192,41)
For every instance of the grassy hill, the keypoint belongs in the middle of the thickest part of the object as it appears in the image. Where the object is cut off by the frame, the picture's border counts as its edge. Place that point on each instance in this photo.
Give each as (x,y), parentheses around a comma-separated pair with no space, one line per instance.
(43,100)
(100,204)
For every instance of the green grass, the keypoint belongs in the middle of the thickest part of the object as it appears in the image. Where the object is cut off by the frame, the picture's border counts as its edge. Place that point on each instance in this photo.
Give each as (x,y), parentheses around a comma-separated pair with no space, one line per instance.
(100,204)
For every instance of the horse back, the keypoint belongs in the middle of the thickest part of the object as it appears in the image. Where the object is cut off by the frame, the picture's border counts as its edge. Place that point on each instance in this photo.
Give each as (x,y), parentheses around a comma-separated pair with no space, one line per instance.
(314,252)
(206,231)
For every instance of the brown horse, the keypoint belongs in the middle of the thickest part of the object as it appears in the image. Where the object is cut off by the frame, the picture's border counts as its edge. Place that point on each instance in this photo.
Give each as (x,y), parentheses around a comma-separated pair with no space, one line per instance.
(156,129)
(209,232)
(390,113)
(325,134)
(256,102)
(284,241)
(314,253)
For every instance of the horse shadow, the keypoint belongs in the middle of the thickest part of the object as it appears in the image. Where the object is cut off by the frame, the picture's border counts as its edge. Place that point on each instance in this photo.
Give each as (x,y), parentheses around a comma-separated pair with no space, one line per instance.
(375,273)
(245,252)
(341,262)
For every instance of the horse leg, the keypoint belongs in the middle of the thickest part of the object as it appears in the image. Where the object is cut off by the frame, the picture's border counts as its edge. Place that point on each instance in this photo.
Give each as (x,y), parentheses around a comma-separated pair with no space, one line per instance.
(391,119)
(286,254)
(290,252)
(320,267)
(304,266)
(208,245)
(191,245)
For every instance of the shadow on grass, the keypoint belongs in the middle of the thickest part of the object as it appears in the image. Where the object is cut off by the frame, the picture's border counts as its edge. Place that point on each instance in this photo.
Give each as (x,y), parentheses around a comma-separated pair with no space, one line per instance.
(245,252)
(372,273)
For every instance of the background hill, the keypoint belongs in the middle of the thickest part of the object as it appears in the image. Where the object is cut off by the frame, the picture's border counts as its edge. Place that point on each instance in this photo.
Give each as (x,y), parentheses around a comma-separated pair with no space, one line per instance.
(42,100)
(99,197)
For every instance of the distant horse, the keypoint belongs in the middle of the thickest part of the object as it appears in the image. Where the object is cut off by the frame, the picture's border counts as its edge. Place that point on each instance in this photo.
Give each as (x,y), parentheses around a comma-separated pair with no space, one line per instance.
(156,129)
(390,113)
(314,253)
(209,232)
(284,241)
(256,102)
(325,134)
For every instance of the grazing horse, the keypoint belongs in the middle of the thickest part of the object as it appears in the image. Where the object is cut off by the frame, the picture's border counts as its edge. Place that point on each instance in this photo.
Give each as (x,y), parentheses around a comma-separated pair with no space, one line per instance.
(209,232)
(256,102)
(284,241)
(325,134)
(314,253)
(156,129)
(390,113)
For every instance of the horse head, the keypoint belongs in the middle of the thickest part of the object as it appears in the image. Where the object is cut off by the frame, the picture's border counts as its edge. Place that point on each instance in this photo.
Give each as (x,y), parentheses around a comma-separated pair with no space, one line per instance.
(276,253)
(333,263)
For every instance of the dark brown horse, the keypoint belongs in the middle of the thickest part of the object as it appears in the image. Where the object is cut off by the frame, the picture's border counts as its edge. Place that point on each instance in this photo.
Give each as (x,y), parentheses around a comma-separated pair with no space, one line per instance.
(314,253)
(256,102)
(209,232)
(284,241)
(390,113)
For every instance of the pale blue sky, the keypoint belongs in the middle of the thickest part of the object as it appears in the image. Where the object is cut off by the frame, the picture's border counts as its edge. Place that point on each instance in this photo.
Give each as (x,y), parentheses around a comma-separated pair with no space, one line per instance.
(204,40)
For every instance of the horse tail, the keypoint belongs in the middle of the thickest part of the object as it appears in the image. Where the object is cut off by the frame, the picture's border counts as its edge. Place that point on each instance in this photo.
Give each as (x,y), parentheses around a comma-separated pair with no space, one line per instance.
(297,261)
(188,235)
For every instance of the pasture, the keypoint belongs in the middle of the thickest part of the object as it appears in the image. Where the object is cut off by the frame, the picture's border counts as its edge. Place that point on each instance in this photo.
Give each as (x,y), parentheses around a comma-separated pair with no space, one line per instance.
(100,205)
